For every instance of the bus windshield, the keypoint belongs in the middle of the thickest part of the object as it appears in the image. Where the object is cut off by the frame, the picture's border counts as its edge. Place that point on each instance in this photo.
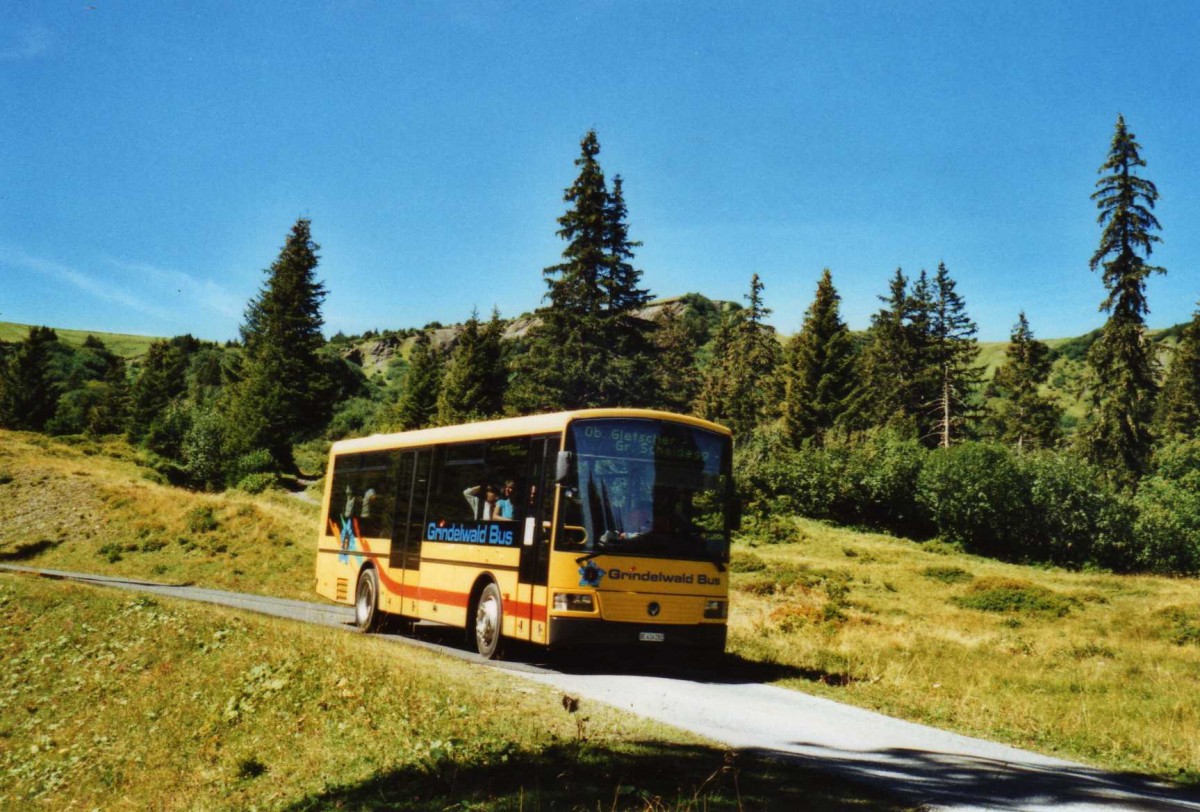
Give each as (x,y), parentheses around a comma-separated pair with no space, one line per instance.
(647,487)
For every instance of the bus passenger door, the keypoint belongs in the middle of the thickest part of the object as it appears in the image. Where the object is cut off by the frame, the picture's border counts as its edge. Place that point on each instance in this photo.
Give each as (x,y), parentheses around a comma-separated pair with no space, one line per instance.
(535,535)
(412,491)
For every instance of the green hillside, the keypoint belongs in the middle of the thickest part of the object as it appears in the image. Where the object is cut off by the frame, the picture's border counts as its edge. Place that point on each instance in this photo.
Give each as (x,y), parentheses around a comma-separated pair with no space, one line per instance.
(1086,665)
(126,346)
(114,700)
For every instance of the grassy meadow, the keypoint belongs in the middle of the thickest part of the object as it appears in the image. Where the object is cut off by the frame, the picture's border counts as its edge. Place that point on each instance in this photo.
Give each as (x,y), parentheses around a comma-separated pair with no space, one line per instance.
(1090,666)
(115,701)
(1086,665)
(91,507)
(126,346)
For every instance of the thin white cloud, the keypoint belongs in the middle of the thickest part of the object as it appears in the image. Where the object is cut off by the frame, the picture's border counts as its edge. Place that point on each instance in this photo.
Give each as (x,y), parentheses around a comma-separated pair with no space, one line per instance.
(29,44)
(103,290)
(202,292)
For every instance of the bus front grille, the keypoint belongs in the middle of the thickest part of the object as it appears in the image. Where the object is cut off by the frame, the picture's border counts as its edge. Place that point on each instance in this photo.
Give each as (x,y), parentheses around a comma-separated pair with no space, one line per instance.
(630,607)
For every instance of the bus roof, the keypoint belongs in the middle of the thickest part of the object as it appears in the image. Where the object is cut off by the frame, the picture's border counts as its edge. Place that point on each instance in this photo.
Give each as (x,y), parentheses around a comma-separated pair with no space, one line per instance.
(508,427)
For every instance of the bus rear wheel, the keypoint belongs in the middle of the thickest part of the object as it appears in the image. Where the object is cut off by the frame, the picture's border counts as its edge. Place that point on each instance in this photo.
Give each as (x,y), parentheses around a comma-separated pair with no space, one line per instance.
(489,617)
(366,601)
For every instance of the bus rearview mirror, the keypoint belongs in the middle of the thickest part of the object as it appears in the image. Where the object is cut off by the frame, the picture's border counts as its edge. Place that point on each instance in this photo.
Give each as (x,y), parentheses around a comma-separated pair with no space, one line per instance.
(564,471)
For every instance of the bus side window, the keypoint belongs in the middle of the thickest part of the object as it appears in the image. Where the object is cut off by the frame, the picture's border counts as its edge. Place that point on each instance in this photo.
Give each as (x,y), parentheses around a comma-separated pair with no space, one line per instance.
(507,472)
(343,503)
(419,514)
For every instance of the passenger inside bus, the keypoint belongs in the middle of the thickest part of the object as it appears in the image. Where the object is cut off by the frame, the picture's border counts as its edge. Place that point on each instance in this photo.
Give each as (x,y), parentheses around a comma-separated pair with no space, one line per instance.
(504,505)
(482,508)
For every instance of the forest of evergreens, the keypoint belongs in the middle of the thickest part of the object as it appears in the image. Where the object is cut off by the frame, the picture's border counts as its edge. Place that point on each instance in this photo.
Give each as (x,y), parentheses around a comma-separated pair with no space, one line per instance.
(896,428)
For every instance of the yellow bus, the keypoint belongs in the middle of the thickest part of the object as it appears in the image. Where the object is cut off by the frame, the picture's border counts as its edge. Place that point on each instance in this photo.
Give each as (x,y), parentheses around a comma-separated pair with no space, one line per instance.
(599,527)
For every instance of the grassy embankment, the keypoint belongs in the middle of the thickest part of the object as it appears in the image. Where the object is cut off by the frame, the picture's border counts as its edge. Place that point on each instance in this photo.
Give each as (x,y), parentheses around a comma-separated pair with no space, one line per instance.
(126,346)
(1090,666)
(1096,667)
(115,701)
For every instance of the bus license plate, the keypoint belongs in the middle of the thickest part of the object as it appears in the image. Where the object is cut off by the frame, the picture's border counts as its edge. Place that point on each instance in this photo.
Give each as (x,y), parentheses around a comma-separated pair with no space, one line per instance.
(652,637)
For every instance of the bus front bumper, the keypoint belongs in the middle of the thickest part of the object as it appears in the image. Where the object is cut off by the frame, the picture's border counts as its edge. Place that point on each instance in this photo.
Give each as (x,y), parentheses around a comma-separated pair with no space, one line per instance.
(567,632)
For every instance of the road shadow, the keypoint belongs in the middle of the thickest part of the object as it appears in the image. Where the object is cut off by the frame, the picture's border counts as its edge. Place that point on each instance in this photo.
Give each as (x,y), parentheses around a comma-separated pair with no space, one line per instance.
(730,669)
(725,669)
(946,779)
(583,775)
(28,550)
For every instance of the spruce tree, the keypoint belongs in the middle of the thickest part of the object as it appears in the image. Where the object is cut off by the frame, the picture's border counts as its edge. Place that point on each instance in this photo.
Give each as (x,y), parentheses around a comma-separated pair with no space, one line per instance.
(472,386)
(951,352)
(29,391)
(890,366)
(282,396)
(589,348)
(677,339)
(161,380)
(1179,402)
(1117,436)
(418,404)
(1024,417)
(820,368)
(741,386)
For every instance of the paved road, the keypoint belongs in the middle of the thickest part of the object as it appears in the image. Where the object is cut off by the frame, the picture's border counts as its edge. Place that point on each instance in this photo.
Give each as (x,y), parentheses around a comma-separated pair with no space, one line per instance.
(922,765)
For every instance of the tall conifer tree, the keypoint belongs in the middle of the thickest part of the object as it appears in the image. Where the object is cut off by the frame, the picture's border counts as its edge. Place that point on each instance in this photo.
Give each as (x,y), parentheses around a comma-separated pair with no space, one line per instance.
(819,376)
(418,404)
(28,390)
(472,386)
(161,378)
(677,340)
(1179,403)
(890,364)
(1024,418)
(590,347)
(951,354)
(283,394)
(1117,436)
(741,385)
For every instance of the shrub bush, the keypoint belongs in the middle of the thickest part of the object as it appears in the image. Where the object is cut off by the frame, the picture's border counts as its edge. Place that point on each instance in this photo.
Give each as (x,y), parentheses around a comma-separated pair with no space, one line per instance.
(258,461)
(869,480)
(976,495)
(203,450)
(1074,518)
(1040,506)
(948,575)
(202,520)
(1167,527)
(256,483)
(881,473)
(1011,595)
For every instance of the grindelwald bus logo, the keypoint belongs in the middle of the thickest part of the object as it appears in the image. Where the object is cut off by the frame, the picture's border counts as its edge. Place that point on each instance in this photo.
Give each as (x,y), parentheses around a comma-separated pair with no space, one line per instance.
(348,538)
(590,575)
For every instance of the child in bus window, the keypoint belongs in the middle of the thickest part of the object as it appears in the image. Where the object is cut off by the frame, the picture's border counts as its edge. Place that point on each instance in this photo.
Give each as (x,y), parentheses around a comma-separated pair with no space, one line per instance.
(504,505)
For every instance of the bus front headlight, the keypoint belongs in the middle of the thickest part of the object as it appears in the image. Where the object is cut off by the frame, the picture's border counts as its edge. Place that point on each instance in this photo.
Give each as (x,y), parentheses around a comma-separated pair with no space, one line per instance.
(571,602)
(716,610)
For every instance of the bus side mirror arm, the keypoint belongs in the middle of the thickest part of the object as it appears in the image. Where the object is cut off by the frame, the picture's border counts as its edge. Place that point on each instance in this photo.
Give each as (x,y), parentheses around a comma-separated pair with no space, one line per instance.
(564,470)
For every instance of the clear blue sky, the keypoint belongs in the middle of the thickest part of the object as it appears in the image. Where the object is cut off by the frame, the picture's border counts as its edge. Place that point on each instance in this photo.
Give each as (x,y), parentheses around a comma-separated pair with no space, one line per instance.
(155,154)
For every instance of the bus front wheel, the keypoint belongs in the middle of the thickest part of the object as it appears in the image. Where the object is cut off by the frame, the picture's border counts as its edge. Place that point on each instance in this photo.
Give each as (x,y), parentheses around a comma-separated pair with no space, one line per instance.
(366,601)
(489,617)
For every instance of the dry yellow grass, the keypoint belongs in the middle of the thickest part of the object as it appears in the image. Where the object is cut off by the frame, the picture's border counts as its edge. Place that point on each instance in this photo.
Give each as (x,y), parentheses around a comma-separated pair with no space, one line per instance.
(92,507)
(1097,667)
(1092,666)
(124,702)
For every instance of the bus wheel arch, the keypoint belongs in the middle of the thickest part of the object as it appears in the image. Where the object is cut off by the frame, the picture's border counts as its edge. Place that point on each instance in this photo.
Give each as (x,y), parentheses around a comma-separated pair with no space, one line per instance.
(367,615)
(485,618)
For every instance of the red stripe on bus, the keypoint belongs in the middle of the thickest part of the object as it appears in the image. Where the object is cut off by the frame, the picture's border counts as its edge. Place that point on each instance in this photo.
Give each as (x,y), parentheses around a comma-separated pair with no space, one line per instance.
(391,585)
(520,609)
